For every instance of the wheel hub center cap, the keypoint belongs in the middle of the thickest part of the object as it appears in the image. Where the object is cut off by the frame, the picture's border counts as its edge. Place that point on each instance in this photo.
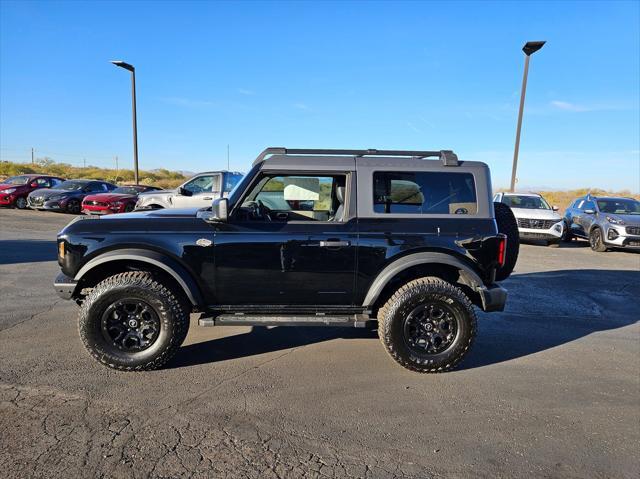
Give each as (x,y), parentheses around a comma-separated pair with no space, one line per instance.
(133,323)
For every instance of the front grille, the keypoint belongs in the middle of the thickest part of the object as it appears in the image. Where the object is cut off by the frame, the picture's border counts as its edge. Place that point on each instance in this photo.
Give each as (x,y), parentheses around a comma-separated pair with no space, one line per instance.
(35,201)
(536,224)
(95,203)
(537,236)
(633,230)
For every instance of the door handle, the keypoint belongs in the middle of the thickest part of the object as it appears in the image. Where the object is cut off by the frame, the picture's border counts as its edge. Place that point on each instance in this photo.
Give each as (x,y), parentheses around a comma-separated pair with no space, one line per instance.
(208,198)
(334,244)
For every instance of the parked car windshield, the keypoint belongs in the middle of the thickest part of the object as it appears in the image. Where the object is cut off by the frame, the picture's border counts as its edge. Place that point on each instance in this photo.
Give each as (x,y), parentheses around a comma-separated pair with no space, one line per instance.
(130,190)
(526,202)
(17,180)
(71,185)
(619,206)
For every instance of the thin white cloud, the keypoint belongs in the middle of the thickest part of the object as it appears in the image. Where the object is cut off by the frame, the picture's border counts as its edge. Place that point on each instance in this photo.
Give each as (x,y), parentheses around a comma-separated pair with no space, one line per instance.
(414,127)
(566,106)
(301,106)
(187,102)
(244,91)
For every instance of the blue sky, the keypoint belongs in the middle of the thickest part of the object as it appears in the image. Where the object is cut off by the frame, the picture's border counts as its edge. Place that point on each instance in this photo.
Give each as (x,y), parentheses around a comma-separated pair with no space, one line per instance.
(352,75)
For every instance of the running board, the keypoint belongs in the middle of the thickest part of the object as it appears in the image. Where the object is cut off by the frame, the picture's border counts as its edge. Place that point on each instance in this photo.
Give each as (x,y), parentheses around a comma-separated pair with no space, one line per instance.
(351,321)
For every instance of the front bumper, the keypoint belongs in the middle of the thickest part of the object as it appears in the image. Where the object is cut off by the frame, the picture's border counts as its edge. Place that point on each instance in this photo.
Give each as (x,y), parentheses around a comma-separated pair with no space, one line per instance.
(493,297)
(617,237)
(99,210)
(7,200)
(553,233)
(65,286)
(56,205)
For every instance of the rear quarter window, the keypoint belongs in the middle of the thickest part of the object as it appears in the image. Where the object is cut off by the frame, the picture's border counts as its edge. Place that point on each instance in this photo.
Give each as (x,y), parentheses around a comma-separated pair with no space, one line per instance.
(424,193)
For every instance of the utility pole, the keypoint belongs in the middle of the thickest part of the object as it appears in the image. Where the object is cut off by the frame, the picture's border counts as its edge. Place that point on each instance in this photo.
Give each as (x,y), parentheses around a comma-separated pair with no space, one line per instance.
(529,49)
(84,162)
(227,157)
(33,162)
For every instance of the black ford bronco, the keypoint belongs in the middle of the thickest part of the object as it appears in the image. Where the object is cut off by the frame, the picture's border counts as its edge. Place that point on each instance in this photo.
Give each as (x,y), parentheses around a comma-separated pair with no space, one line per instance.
(365,238)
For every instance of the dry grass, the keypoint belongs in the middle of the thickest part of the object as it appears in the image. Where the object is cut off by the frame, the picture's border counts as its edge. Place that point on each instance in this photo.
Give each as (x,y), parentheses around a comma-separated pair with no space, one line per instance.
(161,178)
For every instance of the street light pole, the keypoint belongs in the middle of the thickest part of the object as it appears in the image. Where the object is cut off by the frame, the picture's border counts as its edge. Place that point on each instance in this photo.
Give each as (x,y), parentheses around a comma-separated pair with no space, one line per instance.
(529,49)
(126,66)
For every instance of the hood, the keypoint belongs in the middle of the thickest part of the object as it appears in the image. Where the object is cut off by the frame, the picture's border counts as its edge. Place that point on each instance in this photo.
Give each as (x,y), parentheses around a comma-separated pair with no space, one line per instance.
(536,214)
(6,186)
(155,214)
(48,193)
(628,220)
(156,192)
(109,197)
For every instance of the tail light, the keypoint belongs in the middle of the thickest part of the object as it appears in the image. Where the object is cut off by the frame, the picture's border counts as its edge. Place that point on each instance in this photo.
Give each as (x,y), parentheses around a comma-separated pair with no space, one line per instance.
(502,250)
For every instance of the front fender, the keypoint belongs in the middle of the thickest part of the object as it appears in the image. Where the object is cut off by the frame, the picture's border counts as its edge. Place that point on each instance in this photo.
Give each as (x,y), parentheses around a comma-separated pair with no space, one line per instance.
(158,260)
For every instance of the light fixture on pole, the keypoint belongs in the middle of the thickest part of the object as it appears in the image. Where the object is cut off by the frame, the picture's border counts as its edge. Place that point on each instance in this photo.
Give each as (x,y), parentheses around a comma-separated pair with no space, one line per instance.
(529,49)
(126,66)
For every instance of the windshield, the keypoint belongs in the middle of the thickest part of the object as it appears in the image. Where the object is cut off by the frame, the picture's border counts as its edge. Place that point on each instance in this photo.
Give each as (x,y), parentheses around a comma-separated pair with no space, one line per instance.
(619,206)
(526,202)
(71,186)
(129,190)
(234,196)
(17,180)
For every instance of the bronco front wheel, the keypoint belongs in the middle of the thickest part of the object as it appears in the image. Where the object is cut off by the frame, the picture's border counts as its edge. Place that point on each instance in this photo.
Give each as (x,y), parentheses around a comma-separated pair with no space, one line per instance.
(428,325)
(131,322)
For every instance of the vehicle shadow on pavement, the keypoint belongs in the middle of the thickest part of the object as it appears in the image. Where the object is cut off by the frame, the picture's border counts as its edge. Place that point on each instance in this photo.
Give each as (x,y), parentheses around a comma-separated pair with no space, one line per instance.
(261,340)
(27,251)
(538,317)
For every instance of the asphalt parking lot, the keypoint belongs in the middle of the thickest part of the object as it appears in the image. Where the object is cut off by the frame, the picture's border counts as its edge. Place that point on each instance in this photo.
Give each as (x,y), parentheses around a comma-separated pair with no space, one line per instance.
(550,389)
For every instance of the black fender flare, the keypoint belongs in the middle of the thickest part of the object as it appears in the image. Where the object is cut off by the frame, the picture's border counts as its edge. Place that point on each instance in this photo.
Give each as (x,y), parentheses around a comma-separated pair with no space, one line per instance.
(468,275)
(159,260)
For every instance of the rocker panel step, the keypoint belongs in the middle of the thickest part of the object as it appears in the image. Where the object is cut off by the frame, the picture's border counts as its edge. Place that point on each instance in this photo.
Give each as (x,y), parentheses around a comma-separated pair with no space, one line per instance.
(357,321)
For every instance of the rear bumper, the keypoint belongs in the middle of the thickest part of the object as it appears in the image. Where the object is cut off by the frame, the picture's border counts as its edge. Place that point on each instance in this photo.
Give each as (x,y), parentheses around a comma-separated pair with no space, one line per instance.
(65,286)
(493,297)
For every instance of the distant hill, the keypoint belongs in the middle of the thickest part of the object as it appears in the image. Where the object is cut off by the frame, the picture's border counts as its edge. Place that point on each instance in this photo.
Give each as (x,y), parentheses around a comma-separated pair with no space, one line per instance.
(160,177)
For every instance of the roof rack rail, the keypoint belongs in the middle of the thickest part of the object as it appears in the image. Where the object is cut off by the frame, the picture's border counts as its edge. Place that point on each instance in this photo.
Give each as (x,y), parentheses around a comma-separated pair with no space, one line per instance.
(448,157)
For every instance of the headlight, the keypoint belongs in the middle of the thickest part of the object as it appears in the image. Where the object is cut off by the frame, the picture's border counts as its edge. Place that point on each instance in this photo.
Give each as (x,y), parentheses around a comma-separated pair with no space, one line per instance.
(9,191)
(614,221)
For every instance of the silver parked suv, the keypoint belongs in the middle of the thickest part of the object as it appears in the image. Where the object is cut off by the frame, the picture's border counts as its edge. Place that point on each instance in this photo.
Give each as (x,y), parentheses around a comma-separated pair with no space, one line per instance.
(198,191)
(536,219)
(607,222)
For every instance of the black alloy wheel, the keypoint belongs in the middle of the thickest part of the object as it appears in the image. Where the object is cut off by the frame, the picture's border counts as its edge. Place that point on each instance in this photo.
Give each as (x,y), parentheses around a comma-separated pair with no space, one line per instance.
(430,328)
(130,325)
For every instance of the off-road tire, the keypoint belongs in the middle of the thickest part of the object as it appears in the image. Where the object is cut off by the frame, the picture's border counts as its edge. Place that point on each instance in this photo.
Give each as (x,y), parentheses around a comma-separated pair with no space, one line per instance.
(508,225)
(419,291)
(567,237)
(171,308)
(21,203)
(596,240)
(74,207)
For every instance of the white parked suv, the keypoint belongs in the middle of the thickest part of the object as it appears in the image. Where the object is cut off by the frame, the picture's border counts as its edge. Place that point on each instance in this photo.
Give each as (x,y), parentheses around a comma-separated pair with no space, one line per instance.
(198,191)
(536,219)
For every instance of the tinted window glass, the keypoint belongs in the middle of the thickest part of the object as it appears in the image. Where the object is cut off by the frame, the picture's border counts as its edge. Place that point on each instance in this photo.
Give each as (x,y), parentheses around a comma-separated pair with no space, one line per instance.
(230,182)
(17,180)
(424,193)
(620,206)
(589,205)
(72,185)
(526,202)
(203,184)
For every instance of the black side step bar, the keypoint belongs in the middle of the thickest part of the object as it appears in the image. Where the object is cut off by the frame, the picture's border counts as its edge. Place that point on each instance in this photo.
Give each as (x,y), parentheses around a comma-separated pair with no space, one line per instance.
(351,321)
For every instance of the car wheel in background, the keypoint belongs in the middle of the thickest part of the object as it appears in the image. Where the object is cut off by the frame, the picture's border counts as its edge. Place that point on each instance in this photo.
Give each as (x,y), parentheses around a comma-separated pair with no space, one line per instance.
(74,207)
(129,208)
(566,234)
(553,243)
(507,225)
(21,203)
(596,242)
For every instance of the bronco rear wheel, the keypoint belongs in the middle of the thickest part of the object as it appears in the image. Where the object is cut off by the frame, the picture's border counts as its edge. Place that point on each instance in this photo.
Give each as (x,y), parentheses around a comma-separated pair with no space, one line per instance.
(427,326)
(507,225)
(132,322)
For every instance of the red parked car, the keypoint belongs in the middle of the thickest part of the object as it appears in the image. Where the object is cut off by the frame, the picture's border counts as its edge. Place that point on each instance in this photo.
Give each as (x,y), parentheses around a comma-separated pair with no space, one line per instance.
(121,200)
(14,190)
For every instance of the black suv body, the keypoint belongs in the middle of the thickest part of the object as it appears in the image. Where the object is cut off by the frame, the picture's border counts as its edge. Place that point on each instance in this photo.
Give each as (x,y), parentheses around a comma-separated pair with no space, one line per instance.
(307,237)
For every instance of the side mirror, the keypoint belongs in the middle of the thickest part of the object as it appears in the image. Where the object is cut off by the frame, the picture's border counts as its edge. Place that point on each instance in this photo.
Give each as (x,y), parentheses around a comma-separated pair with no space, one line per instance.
(219,210)
(34,184)
(555,208)
(184,192)
(590,212)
